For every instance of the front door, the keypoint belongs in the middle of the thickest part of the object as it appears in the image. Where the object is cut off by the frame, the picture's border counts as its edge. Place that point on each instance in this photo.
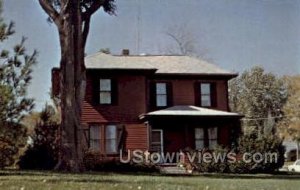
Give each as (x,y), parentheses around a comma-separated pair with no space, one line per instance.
(157,144)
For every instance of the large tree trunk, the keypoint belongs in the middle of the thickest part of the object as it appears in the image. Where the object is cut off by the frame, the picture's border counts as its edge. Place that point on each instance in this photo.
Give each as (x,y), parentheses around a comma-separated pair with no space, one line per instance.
(72,91)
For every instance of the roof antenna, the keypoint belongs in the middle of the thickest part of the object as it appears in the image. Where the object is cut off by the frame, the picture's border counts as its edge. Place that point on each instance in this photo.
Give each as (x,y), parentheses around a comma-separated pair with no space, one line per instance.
(138,27)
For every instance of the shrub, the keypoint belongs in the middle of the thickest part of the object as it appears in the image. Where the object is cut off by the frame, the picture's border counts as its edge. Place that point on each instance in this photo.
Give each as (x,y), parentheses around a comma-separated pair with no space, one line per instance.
(249,144)
(95,161)
(12,139)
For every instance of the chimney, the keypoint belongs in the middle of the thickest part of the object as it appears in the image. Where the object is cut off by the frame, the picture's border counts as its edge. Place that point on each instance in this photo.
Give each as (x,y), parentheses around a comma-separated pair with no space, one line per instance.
(125,52)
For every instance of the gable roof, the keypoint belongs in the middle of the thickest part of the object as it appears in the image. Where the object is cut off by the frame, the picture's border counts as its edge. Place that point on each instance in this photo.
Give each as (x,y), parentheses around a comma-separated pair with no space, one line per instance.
(161,64)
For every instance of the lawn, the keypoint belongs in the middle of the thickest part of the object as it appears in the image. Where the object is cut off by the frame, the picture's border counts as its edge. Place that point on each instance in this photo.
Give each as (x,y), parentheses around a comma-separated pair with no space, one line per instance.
(89,181)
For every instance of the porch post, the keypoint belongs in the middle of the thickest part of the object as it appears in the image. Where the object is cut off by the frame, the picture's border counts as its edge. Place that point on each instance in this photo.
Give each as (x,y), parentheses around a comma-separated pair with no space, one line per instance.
(186,135)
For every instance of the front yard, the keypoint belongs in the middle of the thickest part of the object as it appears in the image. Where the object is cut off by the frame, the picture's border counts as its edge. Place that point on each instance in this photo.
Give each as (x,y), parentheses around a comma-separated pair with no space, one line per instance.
(47,180)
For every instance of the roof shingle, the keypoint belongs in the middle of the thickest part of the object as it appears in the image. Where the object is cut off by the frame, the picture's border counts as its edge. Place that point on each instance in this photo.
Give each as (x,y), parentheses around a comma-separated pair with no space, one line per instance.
(162,64)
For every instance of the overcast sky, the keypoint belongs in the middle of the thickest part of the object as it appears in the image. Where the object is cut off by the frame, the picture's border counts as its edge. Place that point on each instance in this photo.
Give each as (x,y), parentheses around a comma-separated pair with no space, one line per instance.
(234,34)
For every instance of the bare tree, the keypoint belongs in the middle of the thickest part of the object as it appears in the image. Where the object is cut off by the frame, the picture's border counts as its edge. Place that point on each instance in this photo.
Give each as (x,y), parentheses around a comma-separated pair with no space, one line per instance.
(72,19)
(183,39)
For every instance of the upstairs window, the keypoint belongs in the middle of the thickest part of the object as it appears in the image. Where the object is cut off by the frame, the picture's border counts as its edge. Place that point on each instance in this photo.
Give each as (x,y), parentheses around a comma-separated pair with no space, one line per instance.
(161,94)
(205,89)
(105,91)
(205,94)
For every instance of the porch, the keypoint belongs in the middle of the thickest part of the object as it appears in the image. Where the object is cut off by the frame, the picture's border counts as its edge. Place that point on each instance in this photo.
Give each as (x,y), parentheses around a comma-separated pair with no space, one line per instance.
(180,128)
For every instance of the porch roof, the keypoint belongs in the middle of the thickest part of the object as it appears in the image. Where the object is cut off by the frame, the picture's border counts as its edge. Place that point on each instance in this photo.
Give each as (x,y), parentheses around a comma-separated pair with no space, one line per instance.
(189,110)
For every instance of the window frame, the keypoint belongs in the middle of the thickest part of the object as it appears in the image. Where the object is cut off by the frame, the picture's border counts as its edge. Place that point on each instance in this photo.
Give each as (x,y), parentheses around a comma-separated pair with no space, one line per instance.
(165,95)
(105,91)
(212,139)
(109,139)
(153,94)
(212,93)
(209,94)
(206,137)
(99,139)
(199,139)
(104,139)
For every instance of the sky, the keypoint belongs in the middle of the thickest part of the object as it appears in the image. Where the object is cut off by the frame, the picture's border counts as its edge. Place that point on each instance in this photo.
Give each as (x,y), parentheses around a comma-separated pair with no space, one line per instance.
(233,34)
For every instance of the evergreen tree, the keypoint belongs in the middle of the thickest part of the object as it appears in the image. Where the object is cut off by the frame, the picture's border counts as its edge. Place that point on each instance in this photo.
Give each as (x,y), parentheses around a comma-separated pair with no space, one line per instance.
(15,76)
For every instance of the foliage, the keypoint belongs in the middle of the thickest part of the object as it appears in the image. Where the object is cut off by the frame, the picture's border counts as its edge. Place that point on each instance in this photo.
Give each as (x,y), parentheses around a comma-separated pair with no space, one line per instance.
(258,95)
(95,161)
(43,152)
(13,137)
(248,145)
(290,125)
(15,76)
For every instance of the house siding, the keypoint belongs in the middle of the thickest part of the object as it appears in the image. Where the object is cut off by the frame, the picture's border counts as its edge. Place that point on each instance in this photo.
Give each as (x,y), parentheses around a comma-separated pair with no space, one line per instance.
(131,98)
(184,92)
(136,137)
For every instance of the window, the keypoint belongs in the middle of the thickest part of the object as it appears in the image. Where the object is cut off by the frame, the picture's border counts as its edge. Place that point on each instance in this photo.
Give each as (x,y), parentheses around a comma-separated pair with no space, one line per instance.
(205,89)
(199,138)
(95,138)
(205,94)
(104,138)
(157,140)
(206,137)
(111,139)
(105,91)
(161,94)
(212,137)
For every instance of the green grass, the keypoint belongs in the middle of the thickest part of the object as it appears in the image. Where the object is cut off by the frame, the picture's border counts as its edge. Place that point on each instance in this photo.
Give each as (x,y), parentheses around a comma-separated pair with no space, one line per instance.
(47,180)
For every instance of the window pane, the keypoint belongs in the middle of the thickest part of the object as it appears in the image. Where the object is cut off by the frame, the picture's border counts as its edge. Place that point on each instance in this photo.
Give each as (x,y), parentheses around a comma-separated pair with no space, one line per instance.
(199,144)
(95,132)
(212,144)
(156,137)
(212,133)
(161,88)
(111,146)
(95,138)
(199,133)
(105,85)
(205,100)
(105,98)
(111,139)
(161,100)
(111,132)
(205,88)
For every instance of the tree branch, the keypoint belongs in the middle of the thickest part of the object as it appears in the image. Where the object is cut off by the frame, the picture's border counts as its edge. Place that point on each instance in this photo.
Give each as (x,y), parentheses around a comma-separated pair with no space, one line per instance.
(49,9)
(86,29)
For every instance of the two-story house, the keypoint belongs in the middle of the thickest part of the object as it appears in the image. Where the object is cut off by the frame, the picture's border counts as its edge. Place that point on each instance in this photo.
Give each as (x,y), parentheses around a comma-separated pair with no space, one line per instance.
(156,103)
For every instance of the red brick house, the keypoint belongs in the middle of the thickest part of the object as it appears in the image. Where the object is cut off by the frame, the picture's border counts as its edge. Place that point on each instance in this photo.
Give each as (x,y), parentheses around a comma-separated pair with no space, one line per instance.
(155,103)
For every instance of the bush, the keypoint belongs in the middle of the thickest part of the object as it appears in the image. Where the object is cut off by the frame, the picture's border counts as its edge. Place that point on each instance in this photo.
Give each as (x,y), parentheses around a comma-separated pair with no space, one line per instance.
(43,153)
(95,161)
(12,139)
(265,144)
(249,144)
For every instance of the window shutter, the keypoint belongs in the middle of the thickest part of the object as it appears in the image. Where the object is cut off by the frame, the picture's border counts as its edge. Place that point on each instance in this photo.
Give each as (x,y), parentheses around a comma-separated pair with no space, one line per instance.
(96,91)
(197,94)
(152,95)
(169,94)
(120,137)
(213,92)
(114,92)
